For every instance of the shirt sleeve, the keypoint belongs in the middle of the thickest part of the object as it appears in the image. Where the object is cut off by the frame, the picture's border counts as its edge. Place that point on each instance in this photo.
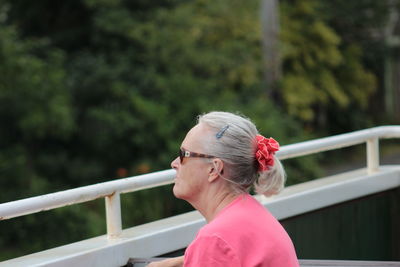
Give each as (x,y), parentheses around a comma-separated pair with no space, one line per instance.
(210,251)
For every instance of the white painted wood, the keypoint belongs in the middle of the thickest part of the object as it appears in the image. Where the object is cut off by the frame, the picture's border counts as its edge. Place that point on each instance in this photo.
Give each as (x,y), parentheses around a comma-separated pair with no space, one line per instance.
(167,235)
(372,155)
(84,194)
(113,216)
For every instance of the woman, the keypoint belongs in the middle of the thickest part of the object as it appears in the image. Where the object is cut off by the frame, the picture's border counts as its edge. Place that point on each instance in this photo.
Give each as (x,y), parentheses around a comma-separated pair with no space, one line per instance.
(220,159)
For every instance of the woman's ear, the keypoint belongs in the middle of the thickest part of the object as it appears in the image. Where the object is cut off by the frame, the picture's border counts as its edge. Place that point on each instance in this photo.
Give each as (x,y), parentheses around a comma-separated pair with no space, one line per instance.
(216,169)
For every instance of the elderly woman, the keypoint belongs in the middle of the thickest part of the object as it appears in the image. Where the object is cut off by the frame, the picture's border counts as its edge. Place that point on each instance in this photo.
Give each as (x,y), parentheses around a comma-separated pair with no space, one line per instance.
(220,159)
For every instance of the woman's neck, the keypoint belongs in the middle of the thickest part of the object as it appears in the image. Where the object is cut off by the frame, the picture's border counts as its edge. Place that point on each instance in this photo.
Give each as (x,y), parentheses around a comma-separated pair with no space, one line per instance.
(212,204)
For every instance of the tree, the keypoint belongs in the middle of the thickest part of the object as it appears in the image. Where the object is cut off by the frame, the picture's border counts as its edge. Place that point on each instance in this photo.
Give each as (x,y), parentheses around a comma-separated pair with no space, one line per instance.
(270,40)
(320,72)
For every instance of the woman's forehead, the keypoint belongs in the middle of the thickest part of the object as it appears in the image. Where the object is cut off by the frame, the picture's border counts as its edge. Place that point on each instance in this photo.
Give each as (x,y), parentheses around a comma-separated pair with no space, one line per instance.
(196,137)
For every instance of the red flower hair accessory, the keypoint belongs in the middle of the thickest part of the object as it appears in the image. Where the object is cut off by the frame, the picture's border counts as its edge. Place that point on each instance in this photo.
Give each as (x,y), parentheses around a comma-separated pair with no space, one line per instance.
(266,148)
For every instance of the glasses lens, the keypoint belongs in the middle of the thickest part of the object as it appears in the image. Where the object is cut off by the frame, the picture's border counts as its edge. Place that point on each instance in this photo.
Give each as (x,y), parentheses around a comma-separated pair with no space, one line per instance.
(181,154)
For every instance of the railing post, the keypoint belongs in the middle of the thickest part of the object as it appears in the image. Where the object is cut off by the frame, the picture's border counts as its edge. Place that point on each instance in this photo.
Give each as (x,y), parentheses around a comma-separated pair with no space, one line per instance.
(113,214)
(372,155)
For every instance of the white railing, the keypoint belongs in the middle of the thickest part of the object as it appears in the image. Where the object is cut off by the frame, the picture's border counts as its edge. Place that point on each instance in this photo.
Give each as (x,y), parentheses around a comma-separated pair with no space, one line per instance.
(111,190)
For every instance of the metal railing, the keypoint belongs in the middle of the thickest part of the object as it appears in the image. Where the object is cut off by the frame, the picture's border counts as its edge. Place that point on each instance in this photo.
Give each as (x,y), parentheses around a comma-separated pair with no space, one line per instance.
(111,190)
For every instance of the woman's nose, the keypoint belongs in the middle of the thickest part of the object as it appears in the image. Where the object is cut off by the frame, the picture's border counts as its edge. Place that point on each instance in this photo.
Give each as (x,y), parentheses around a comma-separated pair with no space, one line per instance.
(175,163)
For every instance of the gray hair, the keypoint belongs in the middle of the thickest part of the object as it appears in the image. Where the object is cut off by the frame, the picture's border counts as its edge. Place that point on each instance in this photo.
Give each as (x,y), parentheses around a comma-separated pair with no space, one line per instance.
(234,141)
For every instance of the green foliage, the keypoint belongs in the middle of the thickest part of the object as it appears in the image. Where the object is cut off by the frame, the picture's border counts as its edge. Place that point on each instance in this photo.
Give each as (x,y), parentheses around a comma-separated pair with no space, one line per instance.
(362,26)
(36,117)
(33,102)
(320,71)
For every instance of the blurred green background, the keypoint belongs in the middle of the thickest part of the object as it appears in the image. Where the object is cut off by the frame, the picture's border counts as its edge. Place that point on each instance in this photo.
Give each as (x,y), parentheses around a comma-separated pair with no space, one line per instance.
(95,90)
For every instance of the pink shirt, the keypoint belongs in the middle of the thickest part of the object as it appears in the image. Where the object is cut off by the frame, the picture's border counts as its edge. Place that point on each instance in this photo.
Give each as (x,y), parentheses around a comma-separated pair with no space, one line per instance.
(243,234)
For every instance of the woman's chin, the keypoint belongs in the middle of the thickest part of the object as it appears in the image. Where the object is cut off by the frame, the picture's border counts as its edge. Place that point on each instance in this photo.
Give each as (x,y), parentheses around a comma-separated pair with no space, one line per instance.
(177,192)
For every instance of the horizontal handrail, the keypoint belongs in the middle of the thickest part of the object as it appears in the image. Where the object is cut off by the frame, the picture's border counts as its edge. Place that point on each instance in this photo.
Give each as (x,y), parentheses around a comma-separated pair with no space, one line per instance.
(338,141)
(83,194)
(109,189)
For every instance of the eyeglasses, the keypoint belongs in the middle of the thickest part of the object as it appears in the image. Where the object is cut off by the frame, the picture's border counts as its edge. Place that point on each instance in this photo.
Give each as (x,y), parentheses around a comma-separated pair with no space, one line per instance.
(187,154)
